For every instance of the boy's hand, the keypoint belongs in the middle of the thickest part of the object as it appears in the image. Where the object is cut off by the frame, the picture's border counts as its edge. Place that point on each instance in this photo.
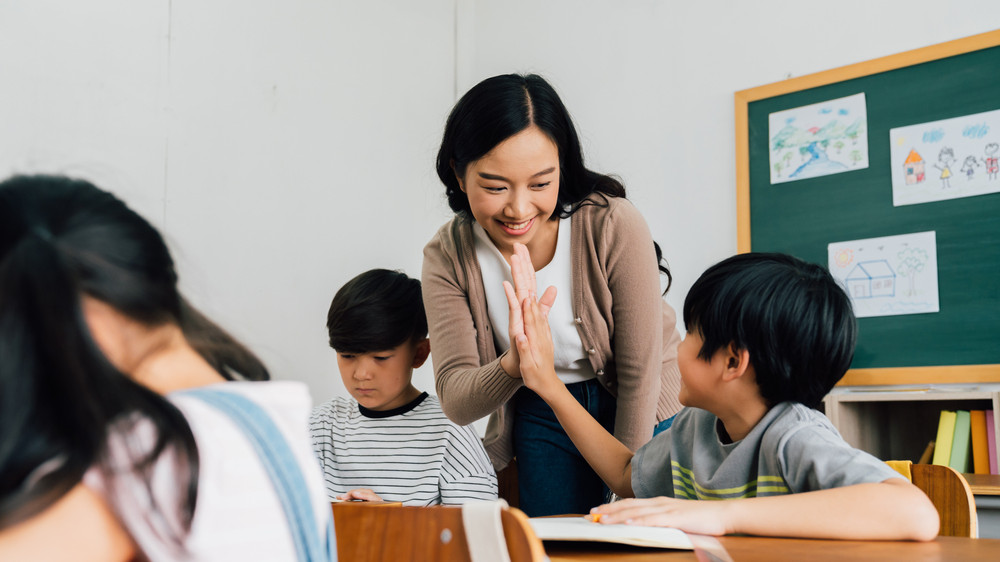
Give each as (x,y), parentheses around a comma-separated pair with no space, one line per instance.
(363,494)
(690,516)
(523,273)
(536,351)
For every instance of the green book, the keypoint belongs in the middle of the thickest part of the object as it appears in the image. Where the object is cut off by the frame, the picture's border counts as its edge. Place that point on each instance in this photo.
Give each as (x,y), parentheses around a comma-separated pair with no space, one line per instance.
(946,432)
(961,441)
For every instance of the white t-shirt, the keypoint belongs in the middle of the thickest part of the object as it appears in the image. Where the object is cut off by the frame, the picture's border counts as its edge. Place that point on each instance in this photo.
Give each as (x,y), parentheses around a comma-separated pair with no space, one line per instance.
(570,357)
(238,515)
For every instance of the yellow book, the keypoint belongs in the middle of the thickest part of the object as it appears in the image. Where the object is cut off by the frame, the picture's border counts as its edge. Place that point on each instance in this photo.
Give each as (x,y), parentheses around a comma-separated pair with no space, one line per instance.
(980,442)
(946,432)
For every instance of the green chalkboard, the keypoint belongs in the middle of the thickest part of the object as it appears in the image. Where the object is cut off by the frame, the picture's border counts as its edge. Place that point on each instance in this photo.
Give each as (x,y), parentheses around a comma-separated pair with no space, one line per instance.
(802,217)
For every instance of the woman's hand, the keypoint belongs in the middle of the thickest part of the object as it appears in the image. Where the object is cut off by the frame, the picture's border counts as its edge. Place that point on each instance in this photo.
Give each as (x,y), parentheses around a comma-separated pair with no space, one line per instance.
(691,516)
(363,494)
(524,287)
(530,336)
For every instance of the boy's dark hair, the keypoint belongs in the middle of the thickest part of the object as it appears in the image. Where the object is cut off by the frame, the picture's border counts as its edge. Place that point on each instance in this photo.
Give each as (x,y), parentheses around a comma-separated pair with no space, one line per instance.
(376,311)
(793,318)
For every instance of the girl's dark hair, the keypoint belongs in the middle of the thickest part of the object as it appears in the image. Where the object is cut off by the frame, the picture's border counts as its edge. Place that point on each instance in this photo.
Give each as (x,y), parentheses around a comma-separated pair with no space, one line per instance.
(62,238)
(792,316)
(502,106)
(376,311)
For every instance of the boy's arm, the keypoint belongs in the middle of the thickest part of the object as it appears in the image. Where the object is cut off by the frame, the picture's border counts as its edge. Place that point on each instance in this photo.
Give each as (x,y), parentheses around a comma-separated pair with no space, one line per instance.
(890,510)
(609,458)
(466,473)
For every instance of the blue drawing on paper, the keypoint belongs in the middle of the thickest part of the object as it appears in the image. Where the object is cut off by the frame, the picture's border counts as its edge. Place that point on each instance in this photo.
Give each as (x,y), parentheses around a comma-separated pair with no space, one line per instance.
(819,139)
(871,279)
(889,275)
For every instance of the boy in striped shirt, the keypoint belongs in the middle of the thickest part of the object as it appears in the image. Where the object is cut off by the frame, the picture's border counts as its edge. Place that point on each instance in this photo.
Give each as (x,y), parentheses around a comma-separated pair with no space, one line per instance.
(391,441)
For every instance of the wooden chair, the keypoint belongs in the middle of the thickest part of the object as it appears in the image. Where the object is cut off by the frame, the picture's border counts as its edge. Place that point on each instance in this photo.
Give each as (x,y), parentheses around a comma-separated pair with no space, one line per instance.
(376,533)
(950,494)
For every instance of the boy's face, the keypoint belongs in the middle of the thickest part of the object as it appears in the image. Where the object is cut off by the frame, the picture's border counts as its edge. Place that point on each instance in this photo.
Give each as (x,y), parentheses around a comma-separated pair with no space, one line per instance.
(380,380)
(698,377)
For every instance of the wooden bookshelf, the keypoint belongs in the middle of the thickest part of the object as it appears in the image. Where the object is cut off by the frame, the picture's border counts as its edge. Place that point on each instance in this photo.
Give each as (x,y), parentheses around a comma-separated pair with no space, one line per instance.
(897,422)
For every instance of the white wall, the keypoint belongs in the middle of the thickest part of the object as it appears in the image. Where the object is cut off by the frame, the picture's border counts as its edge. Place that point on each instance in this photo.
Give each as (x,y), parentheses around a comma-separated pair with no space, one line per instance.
(286,145)
(283,147)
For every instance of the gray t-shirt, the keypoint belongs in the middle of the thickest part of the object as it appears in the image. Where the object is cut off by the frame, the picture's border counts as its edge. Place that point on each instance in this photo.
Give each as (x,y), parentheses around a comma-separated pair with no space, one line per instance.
(792,449)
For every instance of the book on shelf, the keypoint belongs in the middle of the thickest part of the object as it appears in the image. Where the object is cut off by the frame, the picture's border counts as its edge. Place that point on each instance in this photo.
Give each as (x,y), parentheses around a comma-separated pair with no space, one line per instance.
(980,445)
(928,454)
(991,440)
(959,458)
(945,434)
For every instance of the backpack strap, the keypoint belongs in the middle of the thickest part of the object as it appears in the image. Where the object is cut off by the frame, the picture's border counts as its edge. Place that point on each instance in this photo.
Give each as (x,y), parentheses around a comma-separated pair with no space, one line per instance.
(280,464)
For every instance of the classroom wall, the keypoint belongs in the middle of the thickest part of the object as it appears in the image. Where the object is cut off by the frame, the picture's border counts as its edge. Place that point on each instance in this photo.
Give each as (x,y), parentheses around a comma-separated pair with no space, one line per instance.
(282,146)
(285,146)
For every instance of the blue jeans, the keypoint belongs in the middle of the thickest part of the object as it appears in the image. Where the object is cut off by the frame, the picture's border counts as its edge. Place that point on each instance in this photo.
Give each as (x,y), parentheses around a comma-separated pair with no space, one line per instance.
(553,477)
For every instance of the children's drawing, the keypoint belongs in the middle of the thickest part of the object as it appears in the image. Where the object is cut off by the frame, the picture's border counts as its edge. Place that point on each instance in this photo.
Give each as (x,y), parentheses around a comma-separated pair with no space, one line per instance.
(888,276)
(945,159)
(818,140)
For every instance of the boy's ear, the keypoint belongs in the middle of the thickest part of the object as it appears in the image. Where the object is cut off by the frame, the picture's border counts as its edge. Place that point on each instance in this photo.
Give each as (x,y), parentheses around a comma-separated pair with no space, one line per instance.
(737,362)
(423,349)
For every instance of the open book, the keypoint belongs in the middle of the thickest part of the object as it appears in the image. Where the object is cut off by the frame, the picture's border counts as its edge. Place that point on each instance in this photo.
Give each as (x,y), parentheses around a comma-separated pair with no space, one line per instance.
(582,529)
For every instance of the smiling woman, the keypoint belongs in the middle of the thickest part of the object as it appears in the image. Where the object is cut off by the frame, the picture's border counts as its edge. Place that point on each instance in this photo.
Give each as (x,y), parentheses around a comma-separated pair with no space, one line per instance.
(513,172)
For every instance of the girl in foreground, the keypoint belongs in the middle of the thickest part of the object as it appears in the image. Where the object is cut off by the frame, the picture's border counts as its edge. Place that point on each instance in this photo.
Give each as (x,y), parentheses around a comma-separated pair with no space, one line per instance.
(116,442)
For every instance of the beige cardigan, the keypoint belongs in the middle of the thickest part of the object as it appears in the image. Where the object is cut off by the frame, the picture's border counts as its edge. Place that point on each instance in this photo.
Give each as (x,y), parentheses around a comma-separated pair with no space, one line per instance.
(624,323)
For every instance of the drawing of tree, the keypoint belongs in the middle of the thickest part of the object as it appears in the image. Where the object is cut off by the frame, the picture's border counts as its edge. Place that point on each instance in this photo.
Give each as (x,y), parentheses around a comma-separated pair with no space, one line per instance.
(781,140)
(911,262)
(854,131)
(855,156)
(778,166)
(838,145)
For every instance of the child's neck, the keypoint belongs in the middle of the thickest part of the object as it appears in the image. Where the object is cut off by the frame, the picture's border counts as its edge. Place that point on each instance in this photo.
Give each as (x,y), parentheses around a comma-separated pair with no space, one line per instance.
(739,421)
(172,364)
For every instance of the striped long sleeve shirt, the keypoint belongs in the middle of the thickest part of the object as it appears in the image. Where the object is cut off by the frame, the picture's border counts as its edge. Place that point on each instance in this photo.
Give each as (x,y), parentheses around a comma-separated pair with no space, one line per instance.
(412,454)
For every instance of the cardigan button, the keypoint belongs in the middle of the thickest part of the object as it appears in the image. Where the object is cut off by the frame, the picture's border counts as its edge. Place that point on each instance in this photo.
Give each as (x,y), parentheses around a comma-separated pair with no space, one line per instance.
(600,373)
(578,320)
(591,351)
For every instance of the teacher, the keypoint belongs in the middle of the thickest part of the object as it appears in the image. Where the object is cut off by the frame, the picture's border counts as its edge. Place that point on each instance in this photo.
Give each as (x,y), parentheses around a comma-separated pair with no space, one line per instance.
(513,172)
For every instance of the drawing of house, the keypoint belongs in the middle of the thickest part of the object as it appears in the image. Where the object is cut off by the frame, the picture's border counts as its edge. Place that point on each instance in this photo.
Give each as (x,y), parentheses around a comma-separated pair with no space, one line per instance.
(871,279)
(913,168)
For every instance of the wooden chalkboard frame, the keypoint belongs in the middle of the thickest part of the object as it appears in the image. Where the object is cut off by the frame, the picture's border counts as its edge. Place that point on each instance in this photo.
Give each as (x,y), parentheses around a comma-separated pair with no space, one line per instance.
(743,99)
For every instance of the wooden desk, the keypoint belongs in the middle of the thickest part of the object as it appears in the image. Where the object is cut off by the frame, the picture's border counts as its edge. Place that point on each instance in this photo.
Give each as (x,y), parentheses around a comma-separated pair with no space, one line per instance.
(754,549)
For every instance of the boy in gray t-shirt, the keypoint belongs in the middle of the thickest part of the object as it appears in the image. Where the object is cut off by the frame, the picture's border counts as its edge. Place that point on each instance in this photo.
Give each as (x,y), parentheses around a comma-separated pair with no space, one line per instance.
(768,336)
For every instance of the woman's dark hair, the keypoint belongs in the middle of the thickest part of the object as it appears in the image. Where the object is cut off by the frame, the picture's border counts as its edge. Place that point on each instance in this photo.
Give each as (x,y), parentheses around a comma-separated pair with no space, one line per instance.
(60,239)
(792,317)
(502,106)
(376,311)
